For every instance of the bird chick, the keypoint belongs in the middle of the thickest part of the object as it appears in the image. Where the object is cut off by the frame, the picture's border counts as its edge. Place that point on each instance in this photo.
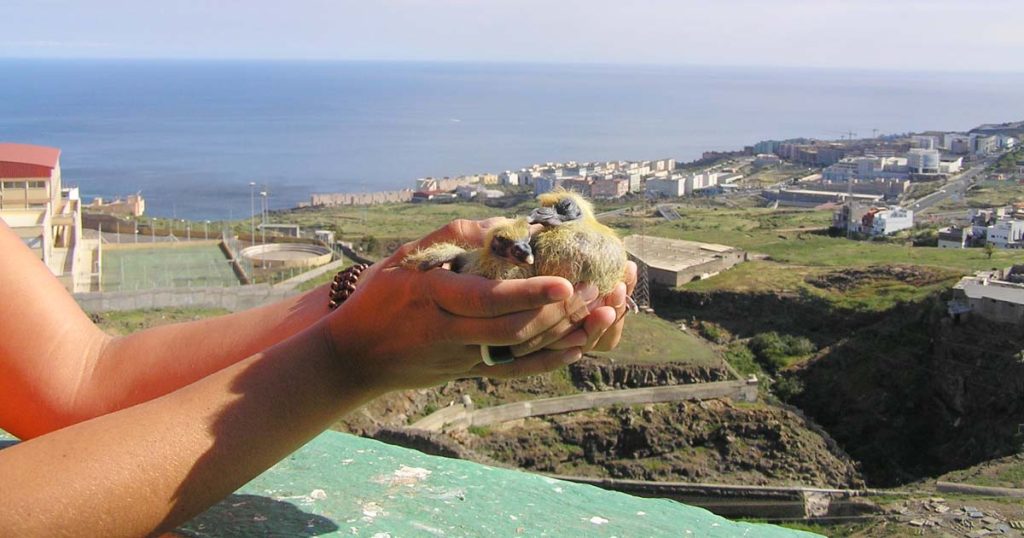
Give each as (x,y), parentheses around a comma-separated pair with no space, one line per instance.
(506,254)
(574,245)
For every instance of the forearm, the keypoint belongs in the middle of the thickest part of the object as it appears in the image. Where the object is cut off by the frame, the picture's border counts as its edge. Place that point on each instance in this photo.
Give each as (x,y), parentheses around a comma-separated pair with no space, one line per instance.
(159,463)
(139,367)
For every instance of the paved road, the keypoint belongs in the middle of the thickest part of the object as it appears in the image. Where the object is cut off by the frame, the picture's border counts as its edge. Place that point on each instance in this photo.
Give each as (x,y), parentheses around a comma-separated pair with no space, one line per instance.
(955,187)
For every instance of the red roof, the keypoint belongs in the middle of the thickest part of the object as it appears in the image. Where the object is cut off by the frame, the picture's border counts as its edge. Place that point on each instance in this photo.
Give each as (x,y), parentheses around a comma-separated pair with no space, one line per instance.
(25,160)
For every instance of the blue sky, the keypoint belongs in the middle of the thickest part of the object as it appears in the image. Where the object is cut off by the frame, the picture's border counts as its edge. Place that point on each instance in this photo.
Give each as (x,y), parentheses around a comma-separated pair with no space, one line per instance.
(884,34)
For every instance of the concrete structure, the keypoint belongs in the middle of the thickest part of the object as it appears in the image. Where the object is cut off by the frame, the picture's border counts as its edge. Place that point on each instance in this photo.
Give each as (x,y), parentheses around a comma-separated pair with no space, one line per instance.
(1005,233)
(766,159)
(951,165)
(46,215)
(868,167)
(133,205)
(984,144)
(812,198)
(463,416)
(609,188)
(287,230)
(923,161)
(287,255)
(886,221)
(674,262)
(888,188)
(988,296)
(924,141)
(668,188)
(953,237)
(361,198)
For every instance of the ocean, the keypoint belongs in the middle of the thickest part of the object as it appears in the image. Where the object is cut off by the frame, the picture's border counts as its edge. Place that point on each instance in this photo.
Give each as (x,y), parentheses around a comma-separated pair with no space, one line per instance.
(191,135)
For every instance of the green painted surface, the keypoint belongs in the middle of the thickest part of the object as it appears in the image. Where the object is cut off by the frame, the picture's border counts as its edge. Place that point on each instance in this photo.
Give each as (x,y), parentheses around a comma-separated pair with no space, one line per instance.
(345,485)
(342,485)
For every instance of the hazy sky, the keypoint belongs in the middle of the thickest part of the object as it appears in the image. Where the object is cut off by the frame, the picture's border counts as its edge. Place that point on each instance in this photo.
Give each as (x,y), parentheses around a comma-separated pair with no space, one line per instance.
(888,34)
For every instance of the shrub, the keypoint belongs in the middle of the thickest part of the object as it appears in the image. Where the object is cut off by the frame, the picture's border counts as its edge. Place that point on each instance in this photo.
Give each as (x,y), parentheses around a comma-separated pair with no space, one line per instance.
(773,350)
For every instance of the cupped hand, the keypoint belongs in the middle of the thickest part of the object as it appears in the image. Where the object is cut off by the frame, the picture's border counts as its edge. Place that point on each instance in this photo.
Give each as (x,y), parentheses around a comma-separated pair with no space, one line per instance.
(405,329)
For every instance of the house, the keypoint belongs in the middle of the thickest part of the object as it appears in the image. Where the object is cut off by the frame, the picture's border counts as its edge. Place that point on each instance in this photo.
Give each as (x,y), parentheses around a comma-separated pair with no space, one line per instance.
(46,215)
(996,296)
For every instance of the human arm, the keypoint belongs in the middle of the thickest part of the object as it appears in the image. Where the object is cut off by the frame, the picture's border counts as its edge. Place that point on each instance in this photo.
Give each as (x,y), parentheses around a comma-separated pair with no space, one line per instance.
(70,370)
(154,465)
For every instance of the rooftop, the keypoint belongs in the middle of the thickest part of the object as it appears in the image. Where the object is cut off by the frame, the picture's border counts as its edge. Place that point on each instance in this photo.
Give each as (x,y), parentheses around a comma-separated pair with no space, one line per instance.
(673,254)
(25,160)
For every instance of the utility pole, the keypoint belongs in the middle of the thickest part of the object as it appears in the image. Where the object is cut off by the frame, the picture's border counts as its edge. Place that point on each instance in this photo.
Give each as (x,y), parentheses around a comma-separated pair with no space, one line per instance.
(642,292)
(252,211)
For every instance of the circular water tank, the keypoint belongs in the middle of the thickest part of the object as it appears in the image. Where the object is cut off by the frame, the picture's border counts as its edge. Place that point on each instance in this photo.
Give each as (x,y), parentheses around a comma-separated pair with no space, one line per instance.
(287,255)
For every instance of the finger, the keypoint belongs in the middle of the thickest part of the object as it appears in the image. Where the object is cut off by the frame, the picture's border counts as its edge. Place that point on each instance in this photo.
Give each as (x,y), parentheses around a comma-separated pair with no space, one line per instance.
(577,338)
(575,310)
(536,363)
(611,337)
(459,231)
(630,277)
(617,297)
(597,324)
(477,297)
(524,331)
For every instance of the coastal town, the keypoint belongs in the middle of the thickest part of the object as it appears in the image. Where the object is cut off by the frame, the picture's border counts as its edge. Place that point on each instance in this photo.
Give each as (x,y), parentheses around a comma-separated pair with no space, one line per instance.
(756,267)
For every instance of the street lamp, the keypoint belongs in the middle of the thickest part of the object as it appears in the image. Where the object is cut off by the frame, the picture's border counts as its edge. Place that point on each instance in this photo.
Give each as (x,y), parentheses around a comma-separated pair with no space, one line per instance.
(252,211)
(206,229)
(263,226)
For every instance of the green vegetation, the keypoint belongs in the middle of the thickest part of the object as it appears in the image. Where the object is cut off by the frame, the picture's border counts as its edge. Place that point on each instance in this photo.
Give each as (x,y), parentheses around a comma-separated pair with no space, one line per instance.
(776,351)
(742,360)
(127,322)
(987,194)
(649,339)
(1008,162)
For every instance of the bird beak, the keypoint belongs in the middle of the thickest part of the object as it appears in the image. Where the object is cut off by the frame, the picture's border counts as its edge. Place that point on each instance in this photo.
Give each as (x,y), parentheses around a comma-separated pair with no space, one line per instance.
(523,253)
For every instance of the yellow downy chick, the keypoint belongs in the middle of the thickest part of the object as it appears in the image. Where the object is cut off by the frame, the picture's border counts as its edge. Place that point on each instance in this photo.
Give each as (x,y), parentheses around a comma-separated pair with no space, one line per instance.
(574,245)
(506,254)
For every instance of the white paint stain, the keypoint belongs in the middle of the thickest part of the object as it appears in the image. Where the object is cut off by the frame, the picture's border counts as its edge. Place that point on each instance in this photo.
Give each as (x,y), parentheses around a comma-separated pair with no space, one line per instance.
(404,476)
(641,513)
(382,535)
(371,511)
(318,494)
(598,520)
(425,528)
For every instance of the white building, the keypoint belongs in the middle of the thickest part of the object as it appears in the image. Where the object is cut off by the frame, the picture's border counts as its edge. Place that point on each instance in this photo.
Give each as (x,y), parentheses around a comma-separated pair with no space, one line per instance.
(866,167)
(766,159)
(882,221)
(924,141)
(923,161)
(1006,233)
(953,237)
(670,188)
(949,165)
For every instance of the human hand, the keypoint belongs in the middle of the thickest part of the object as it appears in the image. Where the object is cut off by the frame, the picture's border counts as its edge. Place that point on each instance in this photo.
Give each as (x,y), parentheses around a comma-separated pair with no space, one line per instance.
(602,329)
(405,329)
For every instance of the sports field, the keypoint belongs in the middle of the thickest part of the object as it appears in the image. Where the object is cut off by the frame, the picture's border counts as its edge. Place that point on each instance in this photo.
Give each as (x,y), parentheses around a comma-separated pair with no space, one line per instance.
(168,267)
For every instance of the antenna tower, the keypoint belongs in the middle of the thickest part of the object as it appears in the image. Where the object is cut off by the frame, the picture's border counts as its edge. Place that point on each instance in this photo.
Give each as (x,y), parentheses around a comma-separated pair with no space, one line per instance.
(642,292)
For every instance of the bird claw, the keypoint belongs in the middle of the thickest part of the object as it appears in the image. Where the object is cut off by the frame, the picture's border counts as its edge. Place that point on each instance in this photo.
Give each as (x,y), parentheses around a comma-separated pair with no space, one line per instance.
(631,305)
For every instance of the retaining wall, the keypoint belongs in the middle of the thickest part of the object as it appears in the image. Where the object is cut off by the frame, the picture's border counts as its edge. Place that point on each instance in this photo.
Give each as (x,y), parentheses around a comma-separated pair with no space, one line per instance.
(461,416)
(233,298)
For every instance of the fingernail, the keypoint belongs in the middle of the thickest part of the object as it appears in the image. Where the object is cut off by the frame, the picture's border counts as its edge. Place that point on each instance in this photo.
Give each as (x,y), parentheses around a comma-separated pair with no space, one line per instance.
(587,292)
(558,293)
(571,355)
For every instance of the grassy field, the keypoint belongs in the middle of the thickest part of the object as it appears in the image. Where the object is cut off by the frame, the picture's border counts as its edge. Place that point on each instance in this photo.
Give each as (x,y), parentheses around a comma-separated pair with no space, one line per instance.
(649,339)
(783,236)
(190,266)
(127,322)
(995,194)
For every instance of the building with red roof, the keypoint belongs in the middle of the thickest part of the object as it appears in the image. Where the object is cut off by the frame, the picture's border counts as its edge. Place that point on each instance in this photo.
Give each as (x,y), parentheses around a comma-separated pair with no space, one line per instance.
(46,215)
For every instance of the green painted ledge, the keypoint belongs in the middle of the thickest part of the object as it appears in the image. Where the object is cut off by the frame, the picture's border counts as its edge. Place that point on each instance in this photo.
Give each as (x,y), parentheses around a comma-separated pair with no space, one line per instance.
(343,485)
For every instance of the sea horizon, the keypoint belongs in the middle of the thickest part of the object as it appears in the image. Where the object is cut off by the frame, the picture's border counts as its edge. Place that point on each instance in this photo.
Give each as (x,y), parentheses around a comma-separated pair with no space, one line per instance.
(190,134)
